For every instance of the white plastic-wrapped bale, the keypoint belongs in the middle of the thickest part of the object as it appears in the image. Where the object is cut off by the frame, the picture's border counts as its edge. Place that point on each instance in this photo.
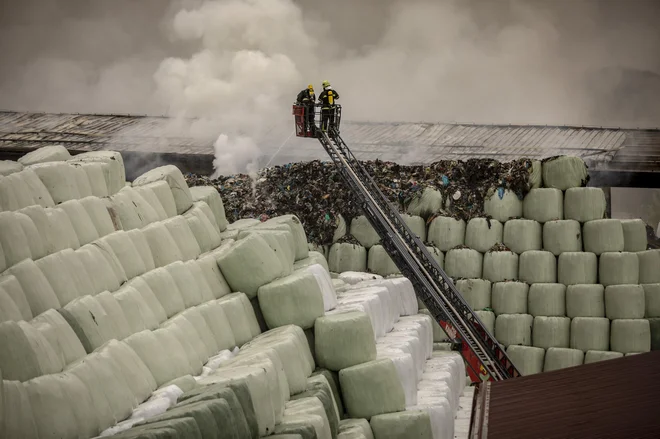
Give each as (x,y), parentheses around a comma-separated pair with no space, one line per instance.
(476,292)
(649,267)
(142,246)
(161,283)
(509,297)
(364,232)
(595,356)
(296,299)
(13,241)
(114,171)
(585,300)
(345,257)
(211,196)
(27,353)
(137,311)
(551,332)
(577,268)
(244,223)
(340,230)
(503,204)
(354,429)
(183,236)
(174,178)
(248,264)
(527,359)
(13,289)
(127,213)
(16,419)
(481,234)
(371,389)
(213,276)
(537,267)
(500,266)
(298,231)
(514,329)
(36,187)
(628,336)
(584,204)
(96,177)
(81,221)
(409,423)
(162,244)
(186,283)
(437,255)
(8,167)
(560,358)
(162,353)
(446,233)
(416,224)
(66,275)
(379,262)
(464,263)
(164,194)
(185,332)
(602,236)
(241,316)
(486,317)
(624,302)
(634,235)
(133,369)
(543,205)
(562,236)
(149,195)
(121,244)
(63,234)
(206,235)
(565,172)
(426,204)
(547,300)
(9,311)
(620,268)
(521,235)
(652,296)
(590,333)
(325,283)
(145,211)
(90,321)
(99,215)
(82,181)
(536,174)
(34,241)
(38,292)
(14,194)
(343,340)
(60,180)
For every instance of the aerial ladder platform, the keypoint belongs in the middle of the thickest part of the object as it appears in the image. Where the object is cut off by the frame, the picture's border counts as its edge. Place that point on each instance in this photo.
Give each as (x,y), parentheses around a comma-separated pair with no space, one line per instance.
(485,358)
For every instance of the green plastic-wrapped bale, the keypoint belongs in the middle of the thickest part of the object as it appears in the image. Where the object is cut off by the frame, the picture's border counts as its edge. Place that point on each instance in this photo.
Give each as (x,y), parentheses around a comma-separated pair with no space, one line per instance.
(355,429)
(590,333)
(476,292)
(297,229)
(595,356)
(313,410)
(379,262)
(172,428)
(344,340)
(319,387)
(503,207)
(333,380)
(560,358)
(296,426)
(509,297)
(652,300)
(551,332)
(500,266)
(411,423)
(649,266)
(487,318)
(585,301)
(543,205)
(619,268)
(439,334)
(237,421)
(416,224)
(624,302)
(437,255)
(521,235)
(537,267)
(446,233)
(527,359)
(427,204)
(565,172)
(634,235)
(562,236)
(371,389)
(347,257)
(536,174)
(514,329)
(602,236)
(628,336)
(584,204)
(577,268)
(364,232)
(547,300)
(464,263)
(213,417)
(481,234)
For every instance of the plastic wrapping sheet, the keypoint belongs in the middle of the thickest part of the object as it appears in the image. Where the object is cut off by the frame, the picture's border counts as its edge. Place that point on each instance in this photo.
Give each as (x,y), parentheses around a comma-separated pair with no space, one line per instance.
(549,332)
(527,359)
(368,303)
(481,234)
(405,367)
(313,408)
(390,305)
(624,302)
(446,233)
(408,296)
(325,283)
(354,277)
(560,358)
(405,343)
(422,324)
(439,411)
(544,204)
(630,336)
(344,340)
(409,423)
(605,235)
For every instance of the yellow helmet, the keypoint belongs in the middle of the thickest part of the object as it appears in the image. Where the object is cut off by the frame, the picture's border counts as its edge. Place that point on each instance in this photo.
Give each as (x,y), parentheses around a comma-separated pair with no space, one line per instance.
(311,87)
(326,83)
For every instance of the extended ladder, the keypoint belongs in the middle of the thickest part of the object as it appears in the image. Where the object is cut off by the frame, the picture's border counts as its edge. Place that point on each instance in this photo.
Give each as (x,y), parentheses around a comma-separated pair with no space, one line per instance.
(485,358)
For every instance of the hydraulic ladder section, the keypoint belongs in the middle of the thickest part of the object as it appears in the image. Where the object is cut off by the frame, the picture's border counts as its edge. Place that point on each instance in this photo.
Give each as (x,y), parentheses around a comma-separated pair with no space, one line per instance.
(485,358)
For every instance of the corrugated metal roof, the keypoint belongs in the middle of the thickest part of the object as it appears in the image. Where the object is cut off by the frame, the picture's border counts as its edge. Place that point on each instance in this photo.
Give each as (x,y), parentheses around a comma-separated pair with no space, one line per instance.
(609,399)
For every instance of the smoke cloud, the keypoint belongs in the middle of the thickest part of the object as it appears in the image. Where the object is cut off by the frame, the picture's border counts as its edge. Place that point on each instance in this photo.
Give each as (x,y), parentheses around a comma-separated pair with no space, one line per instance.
(236,65)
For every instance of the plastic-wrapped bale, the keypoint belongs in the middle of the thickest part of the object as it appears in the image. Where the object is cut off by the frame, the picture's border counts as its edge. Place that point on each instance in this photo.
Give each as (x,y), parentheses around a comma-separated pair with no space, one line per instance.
(355,277)
(8,167)
(654,325)
(163,247)
(628,336)
(241,316)
(652,299)
(426,204)
(509,297)
(527,359)
(280,242)
(551,332)
(299,235)
(34,241)
(114,170)
(36,187)
(620,268)
(487,318)
(464,263)
(379,262)
(595,356)
(476,292)
(295,299)
(514,329)
(355,429)
(99,215)
(38,292)
(521,235)
(585,300)
(92,323)
(601,236)
(308,411)
(363,231)
(27,353)
(121,244)
(634,235)
(13,289)
(437,255)
(183,236)
(341,229)
(314,258)
(624,302)
(9,311)
(371,389)
(481,234)
(174,178)
(60,180)
(66,274)
(416,224)
(409,423)
(13,241)
(590,333)
(14,194)
(446,233)
(584,204)
(500,266)
(439,334)
(211,196)
(562,236)
(560,358)
(547,300)
(537,267)
(248,264)
(149,195)
(347,257)
(344,340)
(575,268)
(503,205)
(319,387)
(565,172)
(649,267)
(96,177)
(543,205)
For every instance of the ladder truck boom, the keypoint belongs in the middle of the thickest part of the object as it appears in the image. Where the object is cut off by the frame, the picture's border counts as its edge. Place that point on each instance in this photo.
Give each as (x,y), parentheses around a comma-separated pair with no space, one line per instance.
(485,358)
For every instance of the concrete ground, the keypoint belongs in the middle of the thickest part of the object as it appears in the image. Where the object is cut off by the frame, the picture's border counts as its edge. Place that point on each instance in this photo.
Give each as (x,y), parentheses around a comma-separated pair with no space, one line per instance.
(462,420)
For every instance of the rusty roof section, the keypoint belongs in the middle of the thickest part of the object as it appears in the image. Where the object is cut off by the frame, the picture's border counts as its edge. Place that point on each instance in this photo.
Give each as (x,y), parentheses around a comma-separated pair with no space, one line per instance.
(610,399)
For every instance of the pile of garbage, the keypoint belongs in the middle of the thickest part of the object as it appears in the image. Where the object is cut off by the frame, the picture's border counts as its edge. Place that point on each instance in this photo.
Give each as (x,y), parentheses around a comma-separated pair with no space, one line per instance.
(317,194)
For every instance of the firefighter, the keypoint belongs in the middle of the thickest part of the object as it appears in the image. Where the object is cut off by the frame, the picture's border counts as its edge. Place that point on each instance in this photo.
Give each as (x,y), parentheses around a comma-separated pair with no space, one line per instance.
(327,99)
(306,98)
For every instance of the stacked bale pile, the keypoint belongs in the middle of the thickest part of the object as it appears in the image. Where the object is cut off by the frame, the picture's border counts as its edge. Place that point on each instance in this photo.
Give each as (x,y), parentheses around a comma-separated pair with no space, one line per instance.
(136,310)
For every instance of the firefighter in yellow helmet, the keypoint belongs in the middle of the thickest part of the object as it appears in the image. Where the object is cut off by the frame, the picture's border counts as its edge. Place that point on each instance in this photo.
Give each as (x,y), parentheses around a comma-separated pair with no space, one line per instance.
(327,99)
(306,98)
